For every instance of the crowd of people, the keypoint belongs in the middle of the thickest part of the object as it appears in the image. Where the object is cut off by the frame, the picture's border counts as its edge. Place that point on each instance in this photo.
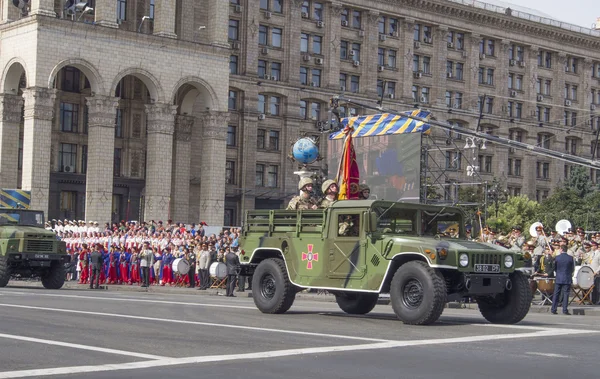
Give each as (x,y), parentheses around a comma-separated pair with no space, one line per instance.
(143,254)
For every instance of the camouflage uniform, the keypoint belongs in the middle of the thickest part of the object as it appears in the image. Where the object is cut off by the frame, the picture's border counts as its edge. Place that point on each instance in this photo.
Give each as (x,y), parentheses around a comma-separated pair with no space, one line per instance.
(299,202)
(325,203)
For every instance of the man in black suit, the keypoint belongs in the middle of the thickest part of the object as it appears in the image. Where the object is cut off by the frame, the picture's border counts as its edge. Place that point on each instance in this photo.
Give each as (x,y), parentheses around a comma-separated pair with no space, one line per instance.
(564,267)
(233,263)
(95,265)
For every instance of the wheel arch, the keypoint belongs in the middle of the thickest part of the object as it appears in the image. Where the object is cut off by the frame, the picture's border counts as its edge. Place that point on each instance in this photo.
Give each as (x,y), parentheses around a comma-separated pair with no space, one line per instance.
(396,262)
(261,254)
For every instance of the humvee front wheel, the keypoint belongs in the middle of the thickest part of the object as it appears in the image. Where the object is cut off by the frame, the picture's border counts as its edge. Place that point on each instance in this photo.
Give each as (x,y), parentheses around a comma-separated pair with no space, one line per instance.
(357,303)
(418,293)
(271,287)
(509,307)
(4,272)
(54,277)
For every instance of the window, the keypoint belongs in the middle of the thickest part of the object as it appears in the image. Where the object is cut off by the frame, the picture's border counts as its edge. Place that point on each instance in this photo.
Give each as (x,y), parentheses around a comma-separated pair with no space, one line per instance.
(380,88)
(317,46)
(303,109)
(67,157)
(547,87)
(275,70)
(453,160)
(417,32)
(543,140)
(547,114)
(232,102)
(262,105)
(510,166)
(380,56)
(416,65)
(488,106)
(86,119)
(544,59)
(233,31)
(459,69)
(356,19)
(150,12)
(233,64)
(231,135)
(427,34)
(68,201)
(262,68)
(487,46)
(458,39)
(571,65)
(70,82)
(260,138)
(117,162)
(276,37)
(304,76)
(354,83)
(229,172)
(345,17)
(69,117)
(391,89)
(426,65)
(272,176)
(571,146)
(260,175)
(542,170)
(424,95)
(343,50)
(515,109)
(274,140)
(485,162)
(391,61)
(516,52)
(274,105)
(277,6)
(318,11)
(304,42)
(316,77)
(122,10)
(84,157)
(263,35)
(454,99)
(305,7)
(315,111)
(355,53)
(490,77)
(119,124)
(264,4)
(343,81)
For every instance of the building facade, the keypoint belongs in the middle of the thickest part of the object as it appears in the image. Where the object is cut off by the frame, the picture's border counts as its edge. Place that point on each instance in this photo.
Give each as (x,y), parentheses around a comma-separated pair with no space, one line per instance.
(181,109)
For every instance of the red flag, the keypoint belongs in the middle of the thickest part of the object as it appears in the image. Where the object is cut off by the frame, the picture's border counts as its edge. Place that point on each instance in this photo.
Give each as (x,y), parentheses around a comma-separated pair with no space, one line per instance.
(348,174)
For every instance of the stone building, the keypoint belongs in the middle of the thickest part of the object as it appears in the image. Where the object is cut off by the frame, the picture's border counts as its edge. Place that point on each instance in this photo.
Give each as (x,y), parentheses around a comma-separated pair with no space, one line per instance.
(125,112)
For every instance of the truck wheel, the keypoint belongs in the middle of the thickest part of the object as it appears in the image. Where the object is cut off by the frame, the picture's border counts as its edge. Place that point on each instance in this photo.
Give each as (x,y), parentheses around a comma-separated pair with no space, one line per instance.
(271,287)
(54,278)
(418,293)
(509,307)
(357,303)
(4,272)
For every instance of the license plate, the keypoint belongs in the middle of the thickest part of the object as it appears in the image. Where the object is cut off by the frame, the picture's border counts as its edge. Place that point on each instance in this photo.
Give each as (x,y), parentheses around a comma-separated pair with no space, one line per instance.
(41,256)
(487,268)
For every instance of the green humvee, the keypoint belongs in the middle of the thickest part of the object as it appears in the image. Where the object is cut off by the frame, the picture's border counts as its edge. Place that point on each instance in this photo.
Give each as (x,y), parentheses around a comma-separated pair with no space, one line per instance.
(28,250)
(359,249)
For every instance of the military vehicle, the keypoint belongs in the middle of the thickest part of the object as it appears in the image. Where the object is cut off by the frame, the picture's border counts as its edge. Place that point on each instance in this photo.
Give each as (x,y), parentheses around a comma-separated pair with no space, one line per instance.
(359,249)
(27,250)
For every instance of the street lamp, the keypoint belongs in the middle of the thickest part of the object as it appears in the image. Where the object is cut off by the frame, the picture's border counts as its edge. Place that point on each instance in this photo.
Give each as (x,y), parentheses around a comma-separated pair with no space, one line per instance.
(496,194)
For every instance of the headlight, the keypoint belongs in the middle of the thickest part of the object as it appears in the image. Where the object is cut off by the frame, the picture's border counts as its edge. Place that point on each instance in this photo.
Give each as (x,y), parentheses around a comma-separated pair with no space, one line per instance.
(508,261)
(463,260)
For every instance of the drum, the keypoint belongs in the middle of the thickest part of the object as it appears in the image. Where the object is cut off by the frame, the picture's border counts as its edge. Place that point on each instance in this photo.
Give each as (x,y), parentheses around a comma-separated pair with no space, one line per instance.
(218,270)
(181,266)
(584,277)
(545,285)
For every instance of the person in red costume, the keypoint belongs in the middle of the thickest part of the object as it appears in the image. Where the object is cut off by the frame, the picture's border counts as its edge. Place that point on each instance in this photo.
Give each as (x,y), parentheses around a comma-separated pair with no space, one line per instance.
(112,266)
(84,263)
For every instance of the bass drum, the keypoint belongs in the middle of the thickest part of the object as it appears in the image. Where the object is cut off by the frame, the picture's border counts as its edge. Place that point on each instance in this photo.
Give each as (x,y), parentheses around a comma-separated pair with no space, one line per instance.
(181,266)
(583,277)
(218,270)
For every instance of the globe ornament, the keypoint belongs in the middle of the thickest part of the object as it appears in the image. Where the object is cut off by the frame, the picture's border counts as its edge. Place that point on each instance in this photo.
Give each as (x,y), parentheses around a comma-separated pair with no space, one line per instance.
(305,151)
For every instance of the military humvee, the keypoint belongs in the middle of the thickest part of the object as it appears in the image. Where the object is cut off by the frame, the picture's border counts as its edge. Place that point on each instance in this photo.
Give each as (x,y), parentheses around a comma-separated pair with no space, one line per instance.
(28,250)
(358,249)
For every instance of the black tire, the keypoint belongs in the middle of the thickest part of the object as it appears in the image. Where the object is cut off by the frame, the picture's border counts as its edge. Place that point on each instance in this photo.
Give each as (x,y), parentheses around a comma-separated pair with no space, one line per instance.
(509,307)
(418,293)
(272,290)
(54,277)
(4,272)
(357,303)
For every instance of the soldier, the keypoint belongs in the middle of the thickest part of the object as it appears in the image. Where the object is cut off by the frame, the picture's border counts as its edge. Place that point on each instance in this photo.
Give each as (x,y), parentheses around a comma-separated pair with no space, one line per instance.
(517,240)
(330,190)
(304,200)
(363,191)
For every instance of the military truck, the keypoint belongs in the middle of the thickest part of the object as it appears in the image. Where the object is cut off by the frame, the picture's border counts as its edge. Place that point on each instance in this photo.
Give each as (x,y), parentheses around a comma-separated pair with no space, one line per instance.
(28,250)
(359,249)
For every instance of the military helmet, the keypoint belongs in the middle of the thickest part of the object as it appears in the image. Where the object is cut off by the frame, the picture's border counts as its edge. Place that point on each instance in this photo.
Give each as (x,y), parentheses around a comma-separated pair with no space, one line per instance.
(304,181)
(326,184)
(362,187)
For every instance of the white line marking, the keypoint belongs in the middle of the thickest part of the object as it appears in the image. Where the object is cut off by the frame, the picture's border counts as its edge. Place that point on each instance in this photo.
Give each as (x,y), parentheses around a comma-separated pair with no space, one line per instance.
(133,300)
(270,354)
(303,333)
(550,355)
(81,347)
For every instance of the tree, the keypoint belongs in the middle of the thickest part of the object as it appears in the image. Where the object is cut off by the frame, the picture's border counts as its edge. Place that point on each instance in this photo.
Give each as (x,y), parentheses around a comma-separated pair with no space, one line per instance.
(579,181)
(517,210)
(563,204)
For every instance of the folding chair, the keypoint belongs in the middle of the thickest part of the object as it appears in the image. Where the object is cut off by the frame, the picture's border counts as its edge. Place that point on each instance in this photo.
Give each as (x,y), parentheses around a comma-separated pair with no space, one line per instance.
(218,283)
(582,296)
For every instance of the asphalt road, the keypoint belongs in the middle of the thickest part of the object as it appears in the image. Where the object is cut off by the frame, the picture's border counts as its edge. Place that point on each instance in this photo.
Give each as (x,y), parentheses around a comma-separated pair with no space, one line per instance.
(110,334)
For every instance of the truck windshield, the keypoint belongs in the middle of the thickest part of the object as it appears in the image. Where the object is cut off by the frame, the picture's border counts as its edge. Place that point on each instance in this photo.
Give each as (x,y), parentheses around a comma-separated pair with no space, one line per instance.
(396,221)
(21,217)
(443,223)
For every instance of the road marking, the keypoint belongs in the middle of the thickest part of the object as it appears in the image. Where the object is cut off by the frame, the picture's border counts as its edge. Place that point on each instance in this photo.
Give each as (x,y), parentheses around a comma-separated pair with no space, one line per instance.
(254,328)
(274,354)
(550,355)
(81,347)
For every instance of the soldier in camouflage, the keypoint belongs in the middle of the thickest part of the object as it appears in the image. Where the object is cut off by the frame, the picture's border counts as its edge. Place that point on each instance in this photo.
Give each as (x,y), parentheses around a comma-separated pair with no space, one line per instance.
(330,190)
(304,200)
(363,191)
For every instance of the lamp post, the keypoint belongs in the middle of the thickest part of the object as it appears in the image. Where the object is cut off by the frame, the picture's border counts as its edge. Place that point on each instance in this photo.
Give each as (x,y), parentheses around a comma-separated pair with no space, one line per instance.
(496,194)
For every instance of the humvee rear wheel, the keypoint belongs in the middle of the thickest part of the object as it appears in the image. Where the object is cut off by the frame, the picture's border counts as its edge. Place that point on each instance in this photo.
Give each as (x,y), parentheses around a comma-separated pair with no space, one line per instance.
(418,293)
(271,287)
(509,307)
(4,272)
(357,303)
(54,277)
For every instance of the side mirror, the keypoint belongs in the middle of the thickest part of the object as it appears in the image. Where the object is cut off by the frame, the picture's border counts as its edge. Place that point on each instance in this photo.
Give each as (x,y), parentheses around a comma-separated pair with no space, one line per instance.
(371,222)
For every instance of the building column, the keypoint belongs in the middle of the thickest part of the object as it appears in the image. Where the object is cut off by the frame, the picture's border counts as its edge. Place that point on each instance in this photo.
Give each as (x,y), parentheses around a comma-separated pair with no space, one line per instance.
(161,125)
(180,200)
(101,146)
(218,21)
(41,7)
(212,178)
(439,72)
(164,18)
(106,13)
(10,118)
(39,111)
(406,57)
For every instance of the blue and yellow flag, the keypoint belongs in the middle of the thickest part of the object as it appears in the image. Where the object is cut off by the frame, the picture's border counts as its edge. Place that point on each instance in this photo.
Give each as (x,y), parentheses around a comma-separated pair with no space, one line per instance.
(14,198)
(384,124)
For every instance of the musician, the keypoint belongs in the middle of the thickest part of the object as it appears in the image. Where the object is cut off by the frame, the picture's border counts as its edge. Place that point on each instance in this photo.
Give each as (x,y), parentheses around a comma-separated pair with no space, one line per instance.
(564,278)
(203,267)
(545,265)
(146,256)
(191,258)
(516,239)
(233,264)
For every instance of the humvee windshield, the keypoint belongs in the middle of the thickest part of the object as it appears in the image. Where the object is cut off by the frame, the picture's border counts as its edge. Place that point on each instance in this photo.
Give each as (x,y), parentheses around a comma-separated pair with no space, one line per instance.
(21,217)
(443,223)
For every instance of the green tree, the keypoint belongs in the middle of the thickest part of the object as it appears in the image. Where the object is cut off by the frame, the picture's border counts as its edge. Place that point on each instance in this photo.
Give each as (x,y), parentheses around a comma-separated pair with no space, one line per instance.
(579,181)
(563,204)
(517,210)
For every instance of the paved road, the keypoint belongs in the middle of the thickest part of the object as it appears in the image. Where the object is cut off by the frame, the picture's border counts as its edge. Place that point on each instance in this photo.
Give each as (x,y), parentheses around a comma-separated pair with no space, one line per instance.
(110,334)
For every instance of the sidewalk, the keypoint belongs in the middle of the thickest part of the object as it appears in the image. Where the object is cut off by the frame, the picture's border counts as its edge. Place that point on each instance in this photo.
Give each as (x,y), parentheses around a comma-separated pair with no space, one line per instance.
(578,310)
